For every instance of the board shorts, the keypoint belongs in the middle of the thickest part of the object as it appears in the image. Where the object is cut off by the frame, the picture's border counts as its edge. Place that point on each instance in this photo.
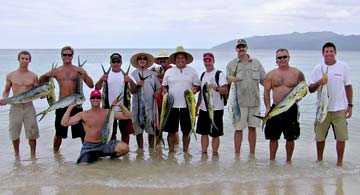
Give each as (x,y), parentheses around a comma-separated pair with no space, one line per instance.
(125,126)
(62,131)
(20,114)
(338,122)
(203,126)
(286,123)
(247,118)
(90,152)
(177,115)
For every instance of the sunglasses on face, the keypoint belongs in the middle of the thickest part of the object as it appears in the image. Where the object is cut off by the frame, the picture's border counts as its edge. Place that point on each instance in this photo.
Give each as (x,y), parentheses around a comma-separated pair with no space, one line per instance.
(144,58)
(95,97)
(281,57)
(114,62)
(67,54)
(241,46)
(162,61)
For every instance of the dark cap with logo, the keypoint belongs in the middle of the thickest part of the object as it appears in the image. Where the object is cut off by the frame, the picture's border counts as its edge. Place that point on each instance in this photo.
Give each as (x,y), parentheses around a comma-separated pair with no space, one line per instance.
(115,56)
(241,42)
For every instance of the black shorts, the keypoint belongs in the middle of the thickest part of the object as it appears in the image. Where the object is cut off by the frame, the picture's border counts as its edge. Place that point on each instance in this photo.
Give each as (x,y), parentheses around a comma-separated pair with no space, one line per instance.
(286,122)
(125,126)
(76,130)
(177,115)
(203,125)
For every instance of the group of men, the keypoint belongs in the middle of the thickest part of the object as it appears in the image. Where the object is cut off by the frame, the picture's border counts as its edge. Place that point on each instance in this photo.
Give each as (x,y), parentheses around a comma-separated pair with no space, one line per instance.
(148,87)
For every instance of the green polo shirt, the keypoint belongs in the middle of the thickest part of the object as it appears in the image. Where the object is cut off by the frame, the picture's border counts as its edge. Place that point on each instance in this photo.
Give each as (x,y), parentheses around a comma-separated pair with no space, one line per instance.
(249,75)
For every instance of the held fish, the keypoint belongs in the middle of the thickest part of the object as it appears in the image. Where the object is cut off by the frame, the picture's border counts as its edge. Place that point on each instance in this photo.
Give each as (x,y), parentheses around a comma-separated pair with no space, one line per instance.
(31,94)
(51,98)
(209,104)
(191,105)
(107,130)
(105,90)
(79,80)
(167,104)
(62,103)
(322,108)
(298,92)
(127,92)
(233,103)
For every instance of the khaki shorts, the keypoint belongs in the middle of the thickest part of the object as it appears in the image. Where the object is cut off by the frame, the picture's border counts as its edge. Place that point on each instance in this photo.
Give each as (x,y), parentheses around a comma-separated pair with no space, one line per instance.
(247,118)
(339,125)
(19,114)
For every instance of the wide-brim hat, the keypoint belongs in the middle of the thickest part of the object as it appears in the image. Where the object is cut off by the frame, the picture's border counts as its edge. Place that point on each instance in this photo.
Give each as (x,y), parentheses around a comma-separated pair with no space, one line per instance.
(162,54)
(180,49)
(149,62)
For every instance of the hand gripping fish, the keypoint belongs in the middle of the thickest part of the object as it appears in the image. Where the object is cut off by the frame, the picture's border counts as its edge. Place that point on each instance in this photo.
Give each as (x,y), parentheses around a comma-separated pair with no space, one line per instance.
(107,130)
(209,104)
(298,92)
(322,108)
(191,105)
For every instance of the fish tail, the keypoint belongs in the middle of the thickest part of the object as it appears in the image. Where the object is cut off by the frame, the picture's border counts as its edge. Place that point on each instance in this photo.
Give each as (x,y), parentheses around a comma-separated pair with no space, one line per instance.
(263,119)
(43,113)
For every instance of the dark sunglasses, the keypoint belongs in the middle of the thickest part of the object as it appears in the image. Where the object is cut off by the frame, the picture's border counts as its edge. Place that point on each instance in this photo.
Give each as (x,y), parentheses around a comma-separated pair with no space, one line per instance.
(95,97)
(162,61)
(114,62)
(241,46)
(281,57)
(142,58)
(67,54)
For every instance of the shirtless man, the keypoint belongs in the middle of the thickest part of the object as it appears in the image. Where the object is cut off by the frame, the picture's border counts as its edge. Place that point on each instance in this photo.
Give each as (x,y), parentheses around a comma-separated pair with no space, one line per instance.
(66,76)
(20,81)
(93,121)
(281,81)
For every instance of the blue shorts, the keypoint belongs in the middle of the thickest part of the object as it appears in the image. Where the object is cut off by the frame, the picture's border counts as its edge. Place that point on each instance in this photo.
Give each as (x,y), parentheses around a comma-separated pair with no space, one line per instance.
(90,152)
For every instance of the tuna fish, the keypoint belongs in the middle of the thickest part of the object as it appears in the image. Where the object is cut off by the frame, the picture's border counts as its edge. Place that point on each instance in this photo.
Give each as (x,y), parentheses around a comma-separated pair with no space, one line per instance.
(294,96)
(31,94)
(79,81)
(127,92)
(233,106)
(105,90)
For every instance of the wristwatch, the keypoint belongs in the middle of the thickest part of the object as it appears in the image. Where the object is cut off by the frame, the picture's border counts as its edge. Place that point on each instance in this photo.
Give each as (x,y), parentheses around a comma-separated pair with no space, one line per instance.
(351,105)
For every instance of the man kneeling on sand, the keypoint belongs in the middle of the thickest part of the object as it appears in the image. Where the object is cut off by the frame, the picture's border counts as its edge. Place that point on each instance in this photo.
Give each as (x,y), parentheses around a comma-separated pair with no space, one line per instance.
(93,121)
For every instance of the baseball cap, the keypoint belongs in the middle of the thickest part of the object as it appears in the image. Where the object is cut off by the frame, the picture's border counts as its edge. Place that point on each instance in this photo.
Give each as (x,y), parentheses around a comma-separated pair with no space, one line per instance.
(115,56)
(241,42)
(95,93)
(208,56)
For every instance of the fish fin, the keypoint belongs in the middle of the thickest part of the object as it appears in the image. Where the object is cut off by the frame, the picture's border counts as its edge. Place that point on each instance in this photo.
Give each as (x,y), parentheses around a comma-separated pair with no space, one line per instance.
(263,118)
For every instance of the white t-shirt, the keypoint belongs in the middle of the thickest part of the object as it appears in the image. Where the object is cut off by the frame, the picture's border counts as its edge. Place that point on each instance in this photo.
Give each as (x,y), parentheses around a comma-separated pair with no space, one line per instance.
(209,77)
(179,80)
(338,78)
(116,86)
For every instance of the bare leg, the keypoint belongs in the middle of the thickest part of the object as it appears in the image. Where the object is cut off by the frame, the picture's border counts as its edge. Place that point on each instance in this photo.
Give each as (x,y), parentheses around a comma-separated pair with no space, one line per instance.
(32,143)
(177,138)
(273,148)
(215,145)
(237,140)
(186,142)
(171,142)
(151,140)
(204,143)
(289,150)
(16,144)
(340,148)
(121,149)
(125,138)
(252,139)
(57,143)
(320,146)
(140,141)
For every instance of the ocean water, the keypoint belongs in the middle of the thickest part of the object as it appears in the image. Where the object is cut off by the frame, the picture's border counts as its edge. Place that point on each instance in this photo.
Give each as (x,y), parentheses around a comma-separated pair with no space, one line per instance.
(154,171)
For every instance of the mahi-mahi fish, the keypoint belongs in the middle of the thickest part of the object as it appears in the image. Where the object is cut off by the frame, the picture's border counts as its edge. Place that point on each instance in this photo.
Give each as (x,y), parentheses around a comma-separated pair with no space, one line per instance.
(298,92)
(167,104)
(322,108)
(209,104)
(105,90)
(107,130)
(31,94)
(191,105)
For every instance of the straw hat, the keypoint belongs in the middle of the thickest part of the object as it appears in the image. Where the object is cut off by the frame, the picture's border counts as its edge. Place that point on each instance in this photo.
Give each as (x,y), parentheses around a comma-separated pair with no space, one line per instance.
(180,49)
(149,62)
(162,54)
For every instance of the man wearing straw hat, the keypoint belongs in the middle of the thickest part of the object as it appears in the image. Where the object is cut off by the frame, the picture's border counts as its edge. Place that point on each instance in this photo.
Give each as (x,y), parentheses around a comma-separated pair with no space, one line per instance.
(143,97)
(176,81)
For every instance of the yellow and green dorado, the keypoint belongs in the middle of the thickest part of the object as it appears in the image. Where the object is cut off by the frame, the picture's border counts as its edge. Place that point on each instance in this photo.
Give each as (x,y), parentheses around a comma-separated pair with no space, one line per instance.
(209,104)
(191,105)
(294,96)
(167,103)
(322,108)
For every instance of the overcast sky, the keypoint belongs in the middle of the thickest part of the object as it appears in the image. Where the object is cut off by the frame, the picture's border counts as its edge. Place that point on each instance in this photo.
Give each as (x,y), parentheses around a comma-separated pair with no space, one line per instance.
(165,23)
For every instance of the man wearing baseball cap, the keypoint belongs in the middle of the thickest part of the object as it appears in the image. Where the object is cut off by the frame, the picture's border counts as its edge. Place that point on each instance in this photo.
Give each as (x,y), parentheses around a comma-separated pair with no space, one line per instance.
(93,121)
(218,87)
(249,74)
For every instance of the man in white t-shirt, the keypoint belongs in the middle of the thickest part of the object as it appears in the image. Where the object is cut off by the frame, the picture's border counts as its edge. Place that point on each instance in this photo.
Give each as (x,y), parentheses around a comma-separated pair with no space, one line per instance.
(176,80)
(116,82)
(218,86)
(340,100)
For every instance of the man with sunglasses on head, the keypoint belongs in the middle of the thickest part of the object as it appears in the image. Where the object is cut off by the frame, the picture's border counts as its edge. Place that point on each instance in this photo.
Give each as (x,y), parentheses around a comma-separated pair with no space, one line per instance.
(249,74)
(93,121)
(281,81)
(66,76)
(116,85)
